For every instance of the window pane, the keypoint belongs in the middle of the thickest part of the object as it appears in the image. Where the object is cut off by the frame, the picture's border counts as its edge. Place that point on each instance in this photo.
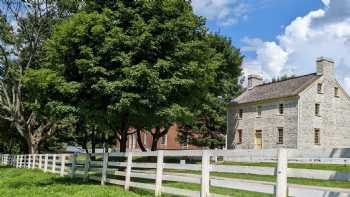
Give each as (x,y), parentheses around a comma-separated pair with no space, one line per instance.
(281,109)
(239,136)
(319,88)
(280,136)
(259,110)
(317,137)
(336,92)
(317,109)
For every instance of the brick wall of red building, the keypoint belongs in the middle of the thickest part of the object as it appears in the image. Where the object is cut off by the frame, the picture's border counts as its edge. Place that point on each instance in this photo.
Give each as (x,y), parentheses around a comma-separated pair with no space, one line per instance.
(170,141)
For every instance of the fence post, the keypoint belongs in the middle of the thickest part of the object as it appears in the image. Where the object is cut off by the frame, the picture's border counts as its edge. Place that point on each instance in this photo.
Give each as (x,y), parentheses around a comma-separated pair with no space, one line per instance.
(25,160)
(86,167)
(205,184)
(63,164)
(17,161)
(282,167)
(128,172)
(45,162)
(40,161)
(54,163)
(159,173)
(74,163)
(29,161)
(104,168)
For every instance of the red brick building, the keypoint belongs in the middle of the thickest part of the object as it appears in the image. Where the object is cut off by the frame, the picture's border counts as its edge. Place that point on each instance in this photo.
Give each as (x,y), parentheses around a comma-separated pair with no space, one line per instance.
(167,142)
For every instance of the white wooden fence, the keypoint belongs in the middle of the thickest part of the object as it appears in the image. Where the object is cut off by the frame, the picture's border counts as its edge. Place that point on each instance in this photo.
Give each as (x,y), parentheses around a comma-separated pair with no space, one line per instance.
(149,170)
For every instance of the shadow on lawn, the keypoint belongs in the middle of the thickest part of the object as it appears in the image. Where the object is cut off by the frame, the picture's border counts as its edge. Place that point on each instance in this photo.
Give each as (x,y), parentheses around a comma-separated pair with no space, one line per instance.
(51,179)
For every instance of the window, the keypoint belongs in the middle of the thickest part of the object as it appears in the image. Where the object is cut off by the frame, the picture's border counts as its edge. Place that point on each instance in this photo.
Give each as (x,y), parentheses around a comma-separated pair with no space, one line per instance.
(240,115)
(317,109)
(145,138)
(319,88)
(258,109)
(280,135)
(336,92)
(281,109)
(185,143)
(239,136)
(317,137)
(163,140)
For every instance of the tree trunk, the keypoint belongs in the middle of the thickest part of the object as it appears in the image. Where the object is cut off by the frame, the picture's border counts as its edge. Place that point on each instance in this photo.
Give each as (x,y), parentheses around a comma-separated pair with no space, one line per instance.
(139,141)
(32,145)
(123,141)
(154,143)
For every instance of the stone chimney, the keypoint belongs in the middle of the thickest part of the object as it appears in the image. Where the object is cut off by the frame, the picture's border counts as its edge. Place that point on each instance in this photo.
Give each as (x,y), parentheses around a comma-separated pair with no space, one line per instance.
(254,80)
(325,67)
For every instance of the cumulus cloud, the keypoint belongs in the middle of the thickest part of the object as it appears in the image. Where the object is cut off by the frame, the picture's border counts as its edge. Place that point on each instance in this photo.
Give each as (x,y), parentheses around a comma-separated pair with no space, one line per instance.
(324,32)
(223,12)
(326,2)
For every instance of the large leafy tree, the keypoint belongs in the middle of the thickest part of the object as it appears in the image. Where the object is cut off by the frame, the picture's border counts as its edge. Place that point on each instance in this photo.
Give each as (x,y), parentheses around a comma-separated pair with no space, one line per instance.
(122,55)
(208,127)
(25,25)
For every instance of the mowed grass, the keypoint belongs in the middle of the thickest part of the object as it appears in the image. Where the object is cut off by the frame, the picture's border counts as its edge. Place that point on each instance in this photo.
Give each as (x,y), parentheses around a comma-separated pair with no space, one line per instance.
(267,178)
(35,183)
(333,167)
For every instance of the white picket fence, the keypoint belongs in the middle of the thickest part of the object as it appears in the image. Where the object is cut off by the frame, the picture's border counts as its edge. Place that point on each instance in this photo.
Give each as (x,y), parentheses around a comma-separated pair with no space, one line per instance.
(137,169)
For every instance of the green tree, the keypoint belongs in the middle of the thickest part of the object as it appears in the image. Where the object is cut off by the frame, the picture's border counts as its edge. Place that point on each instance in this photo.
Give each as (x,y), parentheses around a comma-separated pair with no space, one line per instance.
(141,64)
(22,49)
(208,127)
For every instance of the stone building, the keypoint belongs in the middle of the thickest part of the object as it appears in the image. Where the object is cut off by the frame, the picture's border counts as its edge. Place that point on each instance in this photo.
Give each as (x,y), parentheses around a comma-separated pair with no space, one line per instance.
(301,112)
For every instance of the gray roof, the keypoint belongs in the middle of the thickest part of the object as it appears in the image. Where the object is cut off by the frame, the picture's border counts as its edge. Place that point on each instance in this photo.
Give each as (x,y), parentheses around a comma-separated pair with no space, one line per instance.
(285,88)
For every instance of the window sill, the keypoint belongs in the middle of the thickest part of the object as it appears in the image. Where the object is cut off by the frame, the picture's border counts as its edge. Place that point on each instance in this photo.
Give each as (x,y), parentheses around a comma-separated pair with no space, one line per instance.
(280,114)
(258,117)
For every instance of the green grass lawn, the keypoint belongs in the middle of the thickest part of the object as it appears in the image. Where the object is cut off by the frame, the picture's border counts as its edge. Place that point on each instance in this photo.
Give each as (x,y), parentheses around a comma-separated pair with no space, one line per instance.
(335,167)
(301,181)
(35,183)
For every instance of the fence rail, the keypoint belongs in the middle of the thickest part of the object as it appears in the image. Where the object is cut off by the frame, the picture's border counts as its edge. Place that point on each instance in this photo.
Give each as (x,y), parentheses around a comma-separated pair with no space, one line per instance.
(149,170)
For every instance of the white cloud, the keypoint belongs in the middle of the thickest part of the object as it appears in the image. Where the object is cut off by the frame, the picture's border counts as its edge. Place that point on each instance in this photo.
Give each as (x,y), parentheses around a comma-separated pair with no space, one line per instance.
(223,12)
(324,32)
(347,83)
(326,2)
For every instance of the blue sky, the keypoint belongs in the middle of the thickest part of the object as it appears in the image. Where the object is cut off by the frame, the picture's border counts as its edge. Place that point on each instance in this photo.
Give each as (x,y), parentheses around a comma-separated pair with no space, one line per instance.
(283,36)
(264,20)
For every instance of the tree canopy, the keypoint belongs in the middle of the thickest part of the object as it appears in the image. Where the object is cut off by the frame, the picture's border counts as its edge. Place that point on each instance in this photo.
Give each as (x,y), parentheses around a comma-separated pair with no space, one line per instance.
(112,68)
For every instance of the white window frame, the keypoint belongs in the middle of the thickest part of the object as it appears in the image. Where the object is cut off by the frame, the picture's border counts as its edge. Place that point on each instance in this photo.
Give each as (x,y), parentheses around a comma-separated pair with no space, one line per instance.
(336,92)
(317,138)
(279,136)
(165,138)
(317,109)
(239,136)
(145,138)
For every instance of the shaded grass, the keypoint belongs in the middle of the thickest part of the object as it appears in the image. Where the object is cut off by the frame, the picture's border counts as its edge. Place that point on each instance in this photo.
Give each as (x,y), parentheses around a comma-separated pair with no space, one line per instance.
(23,182)
(34,183)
